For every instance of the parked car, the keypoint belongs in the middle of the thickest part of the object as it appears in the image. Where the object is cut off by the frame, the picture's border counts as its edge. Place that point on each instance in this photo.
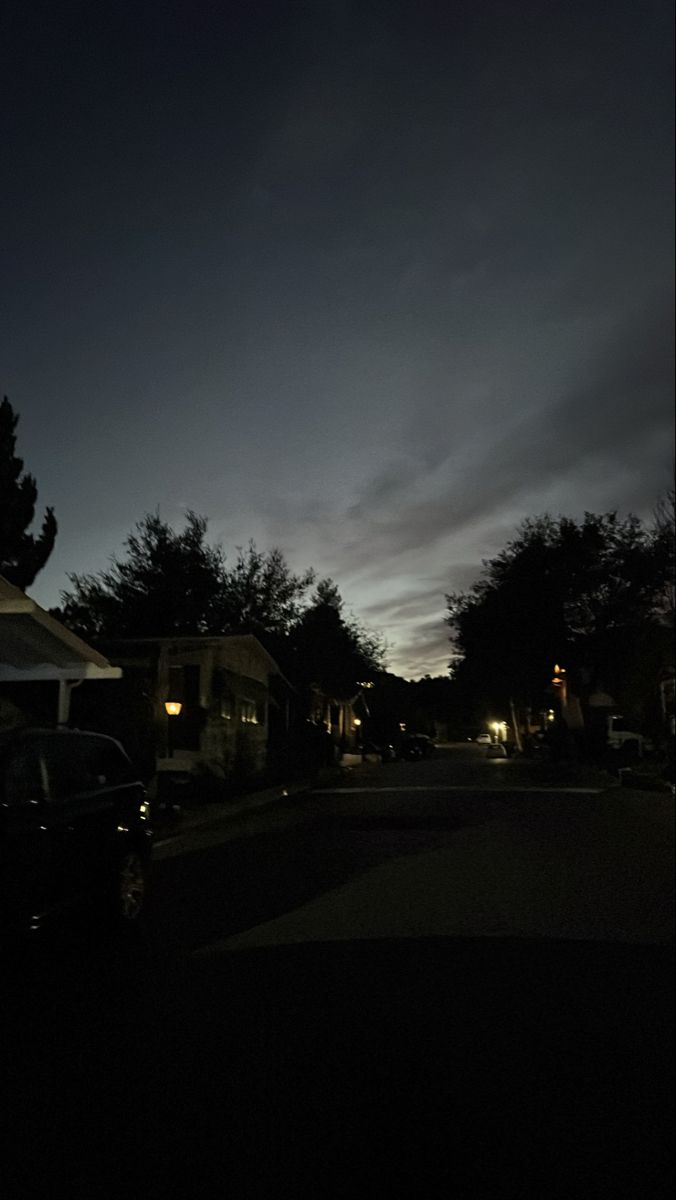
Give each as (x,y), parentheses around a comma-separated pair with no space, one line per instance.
(379,750)
(417,745)
(484,739)
(74,829)
(496,750)
(620,739)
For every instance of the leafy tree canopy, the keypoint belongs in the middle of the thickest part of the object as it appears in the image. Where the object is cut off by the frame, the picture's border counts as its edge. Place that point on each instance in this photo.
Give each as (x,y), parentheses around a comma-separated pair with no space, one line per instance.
(261,594)
(22,555)
(580,593)
(168,583)
(332,651)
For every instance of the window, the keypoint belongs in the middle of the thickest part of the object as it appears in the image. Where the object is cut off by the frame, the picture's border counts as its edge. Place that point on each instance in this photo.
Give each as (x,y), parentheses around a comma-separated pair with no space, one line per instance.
(25,778)
(247,712)
(114,765)
(79,763)
(71,769)
(226,708)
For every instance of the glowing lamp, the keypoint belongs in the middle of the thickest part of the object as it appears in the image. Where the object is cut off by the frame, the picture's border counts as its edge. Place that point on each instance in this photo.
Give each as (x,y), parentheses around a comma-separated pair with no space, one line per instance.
(173,708)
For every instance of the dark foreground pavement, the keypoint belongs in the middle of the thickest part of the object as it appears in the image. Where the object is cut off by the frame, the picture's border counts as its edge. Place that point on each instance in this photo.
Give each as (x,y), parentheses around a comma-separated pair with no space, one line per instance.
(495,1067)
(455,992)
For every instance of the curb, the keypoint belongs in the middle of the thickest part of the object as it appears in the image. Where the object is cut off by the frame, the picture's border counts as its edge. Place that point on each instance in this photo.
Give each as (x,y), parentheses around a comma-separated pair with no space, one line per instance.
(219,813)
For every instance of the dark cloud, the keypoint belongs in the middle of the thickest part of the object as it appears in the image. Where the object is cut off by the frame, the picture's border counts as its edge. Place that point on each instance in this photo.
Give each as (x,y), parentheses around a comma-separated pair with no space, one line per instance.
(623,401)
(427,646)
(587,448)
(372,281)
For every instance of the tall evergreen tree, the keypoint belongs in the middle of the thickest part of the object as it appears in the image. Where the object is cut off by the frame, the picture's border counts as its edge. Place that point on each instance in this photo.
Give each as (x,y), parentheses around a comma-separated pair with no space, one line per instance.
(333,651)
(22,554)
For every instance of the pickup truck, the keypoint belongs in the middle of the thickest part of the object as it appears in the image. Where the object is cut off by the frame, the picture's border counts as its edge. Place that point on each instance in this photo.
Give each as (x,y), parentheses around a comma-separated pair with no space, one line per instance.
(620,738)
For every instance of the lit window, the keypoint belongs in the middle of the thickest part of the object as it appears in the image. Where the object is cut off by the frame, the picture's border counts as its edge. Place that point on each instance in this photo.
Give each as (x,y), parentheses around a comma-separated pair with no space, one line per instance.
(247,712)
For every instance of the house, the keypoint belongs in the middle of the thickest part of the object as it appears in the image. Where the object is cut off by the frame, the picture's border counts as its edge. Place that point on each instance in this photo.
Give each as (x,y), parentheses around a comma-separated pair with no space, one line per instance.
(195,706)
(344,721)
(41,662)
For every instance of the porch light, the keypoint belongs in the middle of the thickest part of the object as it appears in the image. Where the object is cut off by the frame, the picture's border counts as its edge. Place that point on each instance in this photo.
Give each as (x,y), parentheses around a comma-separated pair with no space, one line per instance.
(173,708)
(357,722)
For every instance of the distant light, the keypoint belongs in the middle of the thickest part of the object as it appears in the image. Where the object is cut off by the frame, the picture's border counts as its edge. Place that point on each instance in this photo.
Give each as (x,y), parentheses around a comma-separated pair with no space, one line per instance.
(496,726)
(402,726)
(356,722)
(173,708)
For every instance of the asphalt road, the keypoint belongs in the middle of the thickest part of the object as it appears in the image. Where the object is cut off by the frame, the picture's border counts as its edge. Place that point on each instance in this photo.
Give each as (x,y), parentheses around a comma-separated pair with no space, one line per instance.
(488,846)
(456,970)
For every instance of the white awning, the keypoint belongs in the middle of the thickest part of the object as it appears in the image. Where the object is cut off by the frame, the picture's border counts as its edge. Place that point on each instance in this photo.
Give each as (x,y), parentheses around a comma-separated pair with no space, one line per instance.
(35,646)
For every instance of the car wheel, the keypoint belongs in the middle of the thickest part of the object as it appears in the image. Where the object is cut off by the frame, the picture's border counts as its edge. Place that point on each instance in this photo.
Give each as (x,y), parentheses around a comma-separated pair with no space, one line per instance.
(132,886)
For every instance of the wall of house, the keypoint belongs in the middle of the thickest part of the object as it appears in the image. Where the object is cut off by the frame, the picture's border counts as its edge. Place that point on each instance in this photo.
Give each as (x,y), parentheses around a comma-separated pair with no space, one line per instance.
(235,735)
(244,657)
(232,696)
(223,687)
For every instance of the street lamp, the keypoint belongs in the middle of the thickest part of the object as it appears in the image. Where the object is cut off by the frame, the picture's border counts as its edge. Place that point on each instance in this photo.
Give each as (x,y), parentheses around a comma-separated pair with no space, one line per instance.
(172,709)
(560,681)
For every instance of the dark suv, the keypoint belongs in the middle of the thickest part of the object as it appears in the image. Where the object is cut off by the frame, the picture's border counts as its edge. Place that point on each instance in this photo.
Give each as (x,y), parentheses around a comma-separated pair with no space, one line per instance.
(417,745)
(74,828)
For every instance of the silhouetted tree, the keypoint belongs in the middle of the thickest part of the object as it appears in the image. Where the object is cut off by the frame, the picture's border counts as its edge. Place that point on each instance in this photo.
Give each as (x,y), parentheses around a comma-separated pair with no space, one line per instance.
(171,583)
(22,555)
(176,583)
(664,535)
(261,594)
(583,593)
(330,650)
(168,583)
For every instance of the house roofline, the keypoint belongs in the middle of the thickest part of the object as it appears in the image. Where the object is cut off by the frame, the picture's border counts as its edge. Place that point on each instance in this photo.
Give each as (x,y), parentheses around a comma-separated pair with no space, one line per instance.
(198,639)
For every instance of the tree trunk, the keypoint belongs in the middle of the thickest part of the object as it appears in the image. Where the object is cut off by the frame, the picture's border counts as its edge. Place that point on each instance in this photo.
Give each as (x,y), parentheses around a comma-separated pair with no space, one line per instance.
(515,726)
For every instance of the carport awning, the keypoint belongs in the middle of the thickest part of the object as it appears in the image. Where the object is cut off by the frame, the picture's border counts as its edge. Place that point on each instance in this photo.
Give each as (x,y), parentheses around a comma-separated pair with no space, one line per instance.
(35,646)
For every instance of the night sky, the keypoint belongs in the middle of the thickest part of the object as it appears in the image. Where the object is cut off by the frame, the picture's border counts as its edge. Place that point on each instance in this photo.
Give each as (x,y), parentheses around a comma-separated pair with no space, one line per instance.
(369,281)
